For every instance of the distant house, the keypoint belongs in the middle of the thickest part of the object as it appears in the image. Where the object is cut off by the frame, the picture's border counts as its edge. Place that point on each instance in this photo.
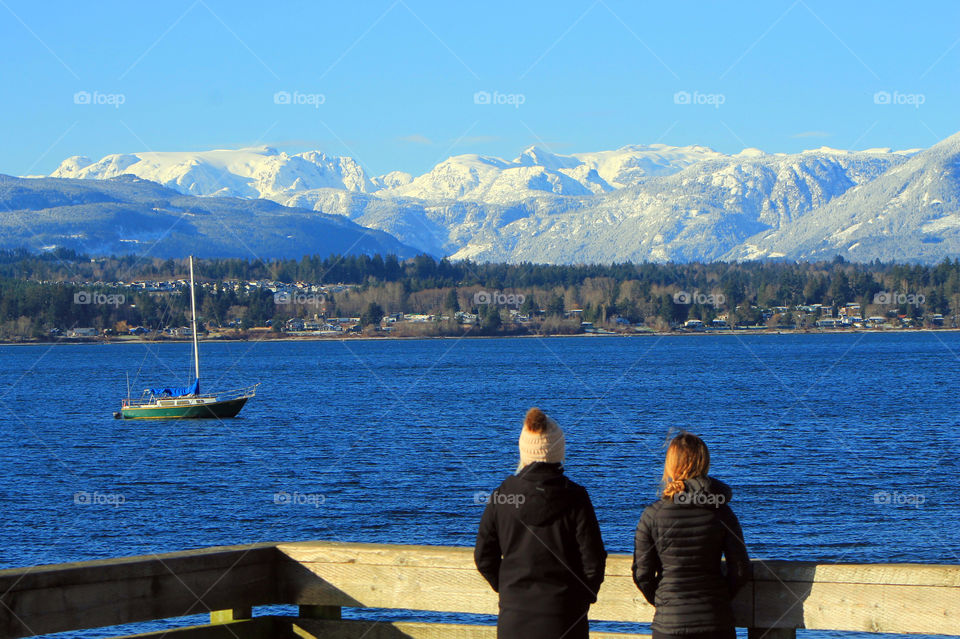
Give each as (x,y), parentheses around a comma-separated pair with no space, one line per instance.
(693,324)
(295,324)
(719,323)
(82,332)
(937,319)
(829,323)
(810,308)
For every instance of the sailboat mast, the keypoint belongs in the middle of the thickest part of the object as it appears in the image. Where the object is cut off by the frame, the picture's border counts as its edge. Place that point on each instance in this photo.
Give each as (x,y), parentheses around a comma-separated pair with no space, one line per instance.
(193,321)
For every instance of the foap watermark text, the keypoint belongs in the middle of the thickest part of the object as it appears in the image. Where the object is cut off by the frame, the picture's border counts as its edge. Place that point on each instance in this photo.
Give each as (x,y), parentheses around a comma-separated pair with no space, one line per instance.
(497,98)
(897,98)
(686,298)
(894,298)
(307,299)
(101,299)
(482,498)
(96,498)
(498,298)
(696,98)
(283,498)
(98,98)
(897,498)
(297,98)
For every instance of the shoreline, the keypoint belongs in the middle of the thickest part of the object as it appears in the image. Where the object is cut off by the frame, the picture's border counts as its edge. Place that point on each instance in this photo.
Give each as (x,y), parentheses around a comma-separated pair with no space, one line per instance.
(335,338)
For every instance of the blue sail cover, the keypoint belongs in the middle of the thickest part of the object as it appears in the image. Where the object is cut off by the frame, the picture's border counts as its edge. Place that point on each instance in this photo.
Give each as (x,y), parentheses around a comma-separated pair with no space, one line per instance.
(177,391)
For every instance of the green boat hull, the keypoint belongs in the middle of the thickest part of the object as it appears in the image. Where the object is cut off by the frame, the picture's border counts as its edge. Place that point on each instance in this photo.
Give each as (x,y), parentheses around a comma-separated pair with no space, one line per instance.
(215,410)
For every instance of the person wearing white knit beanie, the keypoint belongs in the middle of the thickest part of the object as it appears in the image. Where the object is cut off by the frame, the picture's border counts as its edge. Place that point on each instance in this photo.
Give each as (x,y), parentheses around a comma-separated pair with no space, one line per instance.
(539,544)
(541,440)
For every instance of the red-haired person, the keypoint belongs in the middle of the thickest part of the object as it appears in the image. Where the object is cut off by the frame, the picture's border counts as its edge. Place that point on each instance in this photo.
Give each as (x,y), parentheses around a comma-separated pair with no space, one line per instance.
(539,543)
(680,540)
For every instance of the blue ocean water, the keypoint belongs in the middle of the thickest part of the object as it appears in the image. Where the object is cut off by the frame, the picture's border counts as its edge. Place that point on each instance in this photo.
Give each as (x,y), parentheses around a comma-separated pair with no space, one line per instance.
(839,447)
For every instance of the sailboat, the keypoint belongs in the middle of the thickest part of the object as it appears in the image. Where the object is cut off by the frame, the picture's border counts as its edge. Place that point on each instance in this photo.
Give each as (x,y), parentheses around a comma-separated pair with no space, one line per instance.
(187,401)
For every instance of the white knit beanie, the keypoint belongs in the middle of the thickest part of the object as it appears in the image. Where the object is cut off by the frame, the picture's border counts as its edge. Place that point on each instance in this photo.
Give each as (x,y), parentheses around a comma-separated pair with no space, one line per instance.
(548,445)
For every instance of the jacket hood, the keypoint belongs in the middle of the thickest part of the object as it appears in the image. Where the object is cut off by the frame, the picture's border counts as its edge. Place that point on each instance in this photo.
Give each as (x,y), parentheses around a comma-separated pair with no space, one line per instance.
(546,491)
(704,491)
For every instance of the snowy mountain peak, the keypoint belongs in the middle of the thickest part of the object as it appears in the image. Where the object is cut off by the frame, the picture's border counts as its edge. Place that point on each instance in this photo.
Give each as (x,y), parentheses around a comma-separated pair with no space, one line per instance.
(536,156)
(249,172)
(639,202)
(909,213)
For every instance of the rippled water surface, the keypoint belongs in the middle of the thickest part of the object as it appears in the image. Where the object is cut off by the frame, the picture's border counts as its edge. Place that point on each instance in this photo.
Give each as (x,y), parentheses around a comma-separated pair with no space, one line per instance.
(838,447)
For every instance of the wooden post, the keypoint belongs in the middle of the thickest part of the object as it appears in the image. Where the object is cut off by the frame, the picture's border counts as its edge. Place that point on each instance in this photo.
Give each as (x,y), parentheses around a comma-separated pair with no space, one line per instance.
(320,612)
(231,614)
(771,633)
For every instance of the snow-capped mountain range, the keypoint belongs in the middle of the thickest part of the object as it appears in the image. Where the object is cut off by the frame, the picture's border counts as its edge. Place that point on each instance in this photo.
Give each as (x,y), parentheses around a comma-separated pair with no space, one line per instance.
(126,214)
(638,203)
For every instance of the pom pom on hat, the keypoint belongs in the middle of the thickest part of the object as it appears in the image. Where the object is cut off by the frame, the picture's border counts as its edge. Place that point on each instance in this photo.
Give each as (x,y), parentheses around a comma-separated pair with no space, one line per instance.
(541,439)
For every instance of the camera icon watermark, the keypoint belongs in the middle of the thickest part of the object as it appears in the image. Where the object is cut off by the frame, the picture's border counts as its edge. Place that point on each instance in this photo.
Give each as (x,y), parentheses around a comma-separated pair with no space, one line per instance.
(283,498)
(899,99)
(98,98)
(297,98)
(101,299)
(497,98)
(96,498)
(887,298)
(697,98)
(685,298)
(498,298)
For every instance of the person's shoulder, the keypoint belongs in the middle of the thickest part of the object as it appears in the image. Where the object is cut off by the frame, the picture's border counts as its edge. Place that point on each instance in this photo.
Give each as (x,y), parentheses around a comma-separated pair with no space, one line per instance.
(574,486)
(576,493)
(718,487)
(512,483)
(651,511)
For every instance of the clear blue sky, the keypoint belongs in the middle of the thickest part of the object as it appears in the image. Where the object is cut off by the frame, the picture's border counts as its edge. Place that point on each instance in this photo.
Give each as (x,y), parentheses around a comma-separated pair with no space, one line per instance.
(398,79)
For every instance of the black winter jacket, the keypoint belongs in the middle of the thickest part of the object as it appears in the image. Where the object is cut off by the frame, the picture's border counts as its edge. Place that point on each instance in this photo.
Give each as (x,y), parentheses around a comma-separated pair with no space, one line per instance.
(676,559)
(539,544)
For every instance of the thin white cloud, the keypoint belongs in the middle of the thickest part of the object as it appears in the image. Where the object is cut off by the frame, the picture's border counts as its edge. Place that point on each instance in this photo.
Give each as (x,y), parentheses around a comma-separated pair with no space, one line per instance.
(479,139)
(416,138)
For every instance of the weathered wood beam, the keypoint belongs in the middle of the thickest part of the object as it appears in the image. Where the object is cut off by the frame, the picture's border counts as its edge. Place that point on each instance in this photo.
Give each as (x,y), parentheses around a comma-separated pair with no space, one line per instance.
(47,599)
(894,598)
(259,628)
(316,629)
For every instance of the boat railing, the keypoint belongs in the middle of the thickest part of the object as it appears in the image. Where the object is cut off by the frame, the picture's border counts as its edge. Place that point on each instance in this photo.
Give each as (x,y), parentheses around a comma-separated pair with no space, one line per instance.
(322,578)
(220,396)
(238,393)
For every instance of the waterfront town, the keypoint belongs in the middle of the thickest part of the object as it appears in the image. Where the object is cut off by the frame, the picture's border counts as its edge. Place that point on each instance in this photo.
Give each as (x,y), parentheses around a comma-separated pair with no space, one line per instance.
(310,311)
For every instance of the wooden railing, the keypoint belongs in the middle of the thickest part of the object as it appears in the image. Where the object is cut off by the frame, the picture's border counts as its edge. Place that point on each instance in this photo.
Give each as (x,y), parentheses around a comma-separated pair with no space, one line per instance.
(324,577)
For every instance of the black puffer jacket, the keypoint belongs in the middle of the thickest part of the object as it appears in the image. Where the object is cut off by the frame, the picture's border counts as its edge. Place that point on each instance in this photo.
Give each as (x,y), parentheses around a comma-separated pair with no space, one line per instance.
(539,546)
(676,559)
